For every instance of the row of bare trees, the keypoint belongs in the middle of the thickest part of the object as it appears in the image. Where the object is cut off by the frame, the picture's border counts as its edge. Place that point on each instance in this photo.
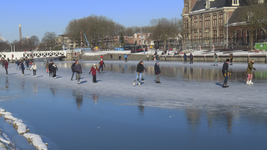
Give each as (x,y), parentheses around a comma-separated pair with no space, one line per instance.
(25,44)
(99,27)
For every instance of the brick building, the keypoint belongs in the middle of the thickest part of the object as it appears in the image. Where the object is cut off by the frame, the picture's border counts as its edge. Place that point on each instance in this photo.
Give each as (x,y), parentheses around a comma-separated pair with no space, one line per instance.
(205,22)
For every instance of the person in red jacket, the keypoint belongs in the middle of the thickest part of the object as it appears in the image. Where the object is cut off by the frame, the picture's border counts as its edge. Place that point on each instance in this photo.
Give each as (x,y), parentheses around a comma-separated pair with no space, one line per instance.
(93,70)
(6,66)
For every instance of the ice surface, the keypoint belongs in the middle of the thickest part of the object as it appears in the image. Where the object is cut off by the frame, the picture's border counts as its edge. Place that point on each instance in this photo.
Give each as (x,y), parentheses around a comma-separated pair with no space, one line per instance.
(36,141)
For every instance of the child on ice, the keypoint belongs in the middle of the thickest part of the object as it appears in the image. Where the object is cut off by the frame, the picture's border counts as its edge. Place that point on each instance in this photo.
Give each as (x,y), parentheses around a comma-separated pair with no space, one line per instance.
(93,70)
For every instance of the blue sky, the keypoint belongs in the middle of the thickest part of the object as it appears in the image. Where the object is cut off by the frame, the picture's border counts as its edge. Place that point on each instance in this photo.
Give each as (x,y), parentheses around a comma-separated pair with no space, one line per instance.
(37,17)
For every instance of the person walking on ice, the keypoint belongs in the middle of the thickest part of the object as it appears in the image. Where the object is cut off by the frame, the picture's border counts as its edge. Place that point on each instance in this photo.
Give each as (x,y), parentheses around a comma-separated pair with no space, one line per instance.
(249,71)
(34,69)
(73,70)
(54,70)
(139,71)
(93,70)
(225,72)
(125,56)
(157,71)
(101,65)
(78,69)
(22,67)
(6,67)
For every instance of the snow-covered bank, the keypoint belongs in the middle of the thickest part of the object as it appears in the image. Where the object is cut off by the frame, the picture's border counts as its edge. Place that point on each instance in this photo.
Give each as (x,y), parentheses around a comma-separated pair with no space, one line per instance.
(21,128)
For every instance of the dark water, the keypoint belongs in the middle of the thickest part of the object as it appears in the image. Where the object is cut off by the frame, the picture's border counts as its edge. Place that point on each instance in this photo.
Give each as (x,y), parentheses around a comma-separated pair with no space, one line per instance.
(74,120)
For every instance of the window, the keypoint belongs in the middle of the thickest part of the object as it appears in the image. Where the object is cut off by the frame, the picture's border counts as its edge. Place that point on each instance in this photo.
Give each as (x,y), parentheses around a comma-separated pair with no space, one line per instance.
(195,22)
(220,19)
(215,35)
(186,24)
(200,21)
(214,20)
(221,33)
(207,21)
(195,35)
(186,6)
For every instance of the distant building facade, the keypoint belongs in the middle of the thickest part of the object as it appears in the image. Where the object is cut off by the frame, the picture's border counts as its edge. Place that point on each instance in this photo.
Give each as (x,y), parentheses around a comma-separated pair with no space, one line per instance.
(205,21)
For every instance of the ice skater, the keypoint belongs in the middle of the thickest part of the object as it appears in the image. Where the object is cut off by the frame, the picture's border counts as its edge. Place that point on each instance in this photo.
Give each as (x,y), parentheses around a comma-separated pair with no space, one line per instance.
(249,71)
(191,58)
(185,58)
(47,67)
(101,65)
(73,70)
(139,71)
(215,58)
(93,70)
(50,68)
(125,56)
(34,69)
(27,63)
(54,70)
(225,72)
(231,58)
(18,63)
(78,70)
(6,67)
(157,71)
(22,67)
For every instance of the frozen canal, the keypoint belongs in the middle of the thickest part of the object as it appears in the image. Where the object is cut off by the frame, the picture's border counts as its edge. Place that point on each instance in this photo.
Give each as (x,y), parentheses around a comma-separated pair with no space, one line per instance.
(188,110)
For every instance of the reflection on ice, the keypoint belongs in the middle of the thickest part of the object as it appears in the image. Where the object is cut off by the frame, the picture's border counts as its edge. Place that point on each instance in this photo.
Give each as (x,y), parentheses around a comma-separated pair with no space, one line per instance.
(95,98)
(79,98)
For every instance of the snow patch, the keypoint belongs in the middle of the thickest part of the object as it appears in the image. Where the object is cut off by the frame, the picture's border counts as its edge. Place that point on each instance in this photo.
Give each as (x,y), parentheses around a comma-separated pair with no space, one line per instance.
(36,141)
(20,127)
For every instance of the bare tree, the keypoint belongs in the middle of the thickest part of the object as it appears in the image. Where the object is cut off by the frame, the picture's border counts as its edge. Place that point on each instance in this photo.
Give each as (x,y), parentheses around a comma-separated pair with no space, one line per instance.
(163,29)
(255,16)
(49,39)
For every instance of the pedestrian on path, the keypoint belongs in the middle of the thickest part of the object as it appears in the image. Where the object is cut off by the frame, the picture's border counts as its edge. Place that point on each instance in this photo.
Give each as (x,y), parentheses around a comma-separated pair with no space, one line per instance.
(34,69)
(73,70)
(215,58)
(157,71)
(139,71)
(225,72)
(111,57)
(22,67)
(101,65)
(93,71)
(78,70)
(6,67)
(249,71)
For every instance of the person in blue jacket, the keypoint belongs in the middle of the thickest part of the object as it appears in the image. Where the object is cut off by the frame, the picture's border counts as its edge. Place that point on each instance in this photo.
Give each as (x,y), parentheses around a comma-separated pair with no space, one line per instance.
(185,58)
(125,56)
(22,67)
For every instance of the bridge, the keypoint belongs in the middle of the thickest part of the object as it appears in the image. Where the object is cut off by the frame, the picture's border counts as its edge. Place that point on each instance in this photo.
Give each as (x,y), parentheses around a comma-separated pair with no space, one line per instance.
(32,54)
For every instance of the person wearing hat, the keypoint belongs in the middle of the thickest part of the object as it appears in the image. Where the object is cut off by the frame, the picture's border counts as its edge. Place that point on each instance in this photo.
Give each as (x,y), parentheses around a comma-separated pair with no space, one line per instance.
(93,70)
(249,71)
(157,71)
(225,72)
(101,64)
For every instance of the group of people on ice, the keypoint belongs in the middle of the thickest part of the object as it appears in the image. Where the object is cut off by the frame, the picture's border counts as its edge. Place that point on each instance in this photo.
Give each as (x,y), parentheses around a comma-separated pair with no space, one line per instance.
(226,73)
(51,69)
